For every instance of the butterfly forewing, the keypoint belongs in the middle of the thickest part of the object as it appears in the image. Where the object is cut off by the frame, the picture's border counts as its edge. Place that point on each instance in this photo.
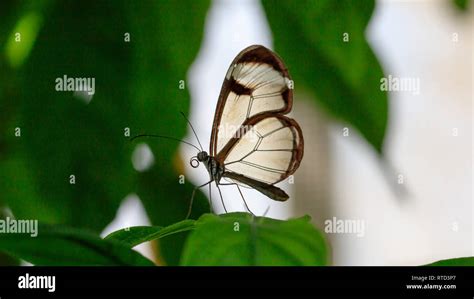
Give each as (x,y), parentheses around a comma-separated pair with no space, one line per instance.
(256,82)
(251,136)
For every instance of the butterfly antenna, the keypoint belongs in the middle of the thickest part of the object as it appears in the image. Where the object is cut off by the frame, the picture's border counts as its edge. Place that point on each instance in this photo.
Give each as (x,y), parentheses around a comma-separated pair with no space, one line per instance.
(192,128)
(165,137)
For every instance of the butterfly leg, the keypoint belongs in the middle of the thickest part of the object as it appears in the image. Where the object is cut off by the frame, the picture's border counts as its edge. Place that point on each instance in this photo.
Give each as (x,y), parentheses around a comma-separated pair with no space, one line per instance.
(211,208)
(241,195)
(192,197)
(245,202)
(222,199)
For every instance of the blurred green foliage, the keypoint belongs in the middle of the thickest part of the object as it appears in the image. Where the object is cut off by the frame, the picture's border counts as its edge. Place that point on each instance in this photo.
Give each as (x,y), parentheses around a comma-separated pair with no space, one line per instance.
(62,135)
(165,43)
(324,46)
(462,5)
(5,259)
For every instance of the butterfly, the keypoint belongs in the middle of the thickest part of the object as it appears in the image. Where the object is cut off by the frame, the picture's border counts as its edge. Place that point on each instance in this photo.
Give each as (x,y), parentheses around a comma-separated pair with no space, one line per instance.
(253,143)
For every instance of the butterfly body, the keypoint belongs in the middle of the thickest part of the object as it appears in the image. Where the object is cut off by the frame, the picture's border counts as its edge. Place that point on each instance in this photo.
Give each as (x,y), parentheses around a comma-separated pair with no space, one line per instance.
(213,167)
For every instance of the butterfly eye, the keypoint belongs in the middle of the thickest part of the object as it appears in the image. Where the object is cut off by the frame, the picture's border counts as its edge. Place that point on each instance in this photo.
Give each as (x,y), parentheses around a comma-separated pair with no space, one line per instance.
(194,162)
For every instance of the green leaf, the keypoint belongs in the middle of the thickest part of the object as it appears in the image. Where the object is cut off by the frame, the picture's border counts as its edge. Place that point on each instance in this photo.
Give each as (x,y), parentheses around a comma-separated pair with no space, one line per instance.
(240,239)
(133,236)
(61,246)
(342,76)
(461,261)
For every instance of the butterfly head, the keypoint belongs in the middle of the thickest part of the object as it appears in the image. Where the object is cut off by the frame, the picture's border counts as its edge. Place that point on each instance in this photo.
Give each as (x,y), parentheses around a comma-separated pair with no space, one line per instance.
(201,157)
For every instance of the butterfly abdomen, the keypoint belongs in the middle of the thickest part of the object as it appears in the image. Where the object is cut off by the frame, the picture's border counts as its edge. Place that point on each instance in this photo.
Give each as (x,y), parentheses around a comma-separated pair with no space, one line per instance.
(269,190)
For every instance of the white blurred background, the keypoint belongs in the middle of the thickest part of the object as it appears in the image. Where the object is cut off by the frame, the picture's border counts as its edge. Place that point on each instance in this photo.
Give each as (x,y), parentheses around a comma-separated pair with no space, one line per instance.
(429,138)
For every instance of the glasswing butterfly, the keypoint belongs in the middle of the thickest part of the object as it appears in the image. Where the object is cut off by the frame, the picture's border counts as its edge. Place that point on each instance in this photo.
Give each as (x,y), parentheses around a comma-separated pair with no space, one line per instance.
(253,144)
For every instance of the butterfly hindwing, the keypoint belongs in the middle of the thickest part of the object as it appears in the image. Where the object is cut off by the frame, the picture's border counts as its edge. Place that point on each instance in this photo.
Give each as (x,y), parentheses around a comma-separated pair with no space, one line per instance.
(269,151)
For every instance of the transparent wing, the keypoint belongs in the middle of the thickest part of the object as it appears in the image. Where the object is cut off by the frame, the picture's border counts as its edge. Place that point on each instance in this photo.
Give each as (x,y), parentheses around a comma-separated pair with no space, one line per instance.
(269,151)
